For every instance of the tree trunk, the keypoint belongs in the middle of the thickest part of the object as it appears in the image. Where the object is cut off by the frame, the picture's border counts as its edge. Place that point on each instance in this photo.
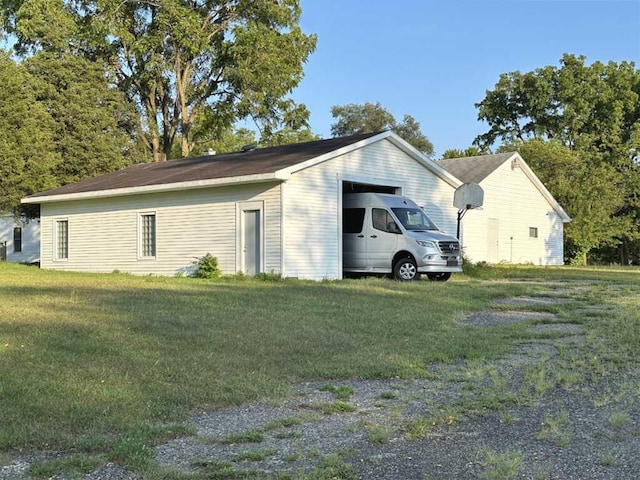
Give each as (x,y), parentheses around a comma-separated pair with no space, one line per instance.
(158,153)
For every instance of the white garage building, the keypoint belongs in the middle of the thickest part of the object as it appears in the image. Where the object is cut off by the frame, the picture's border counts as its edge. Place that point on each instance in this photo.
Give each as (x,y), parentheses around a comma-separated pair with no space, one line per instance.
(273,209)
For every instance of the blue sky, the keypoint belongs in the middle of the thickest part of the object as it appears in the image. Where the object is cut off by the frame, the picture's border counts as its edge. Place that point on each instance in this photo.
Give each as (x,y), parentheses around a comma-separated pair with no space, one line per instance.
(434,59)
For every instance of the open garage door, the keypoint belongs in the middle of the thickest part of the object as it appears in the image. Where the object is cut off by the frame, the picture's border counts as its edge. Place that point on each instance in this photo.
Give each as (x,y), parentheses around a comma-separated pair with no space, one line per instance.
(355,187)
(352,220)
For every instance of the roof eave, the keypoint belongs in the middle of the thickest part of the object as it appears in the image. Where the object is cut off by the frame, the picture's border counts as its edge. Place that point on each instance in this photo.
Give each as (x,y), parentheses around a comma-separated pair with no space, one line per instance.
(166,187)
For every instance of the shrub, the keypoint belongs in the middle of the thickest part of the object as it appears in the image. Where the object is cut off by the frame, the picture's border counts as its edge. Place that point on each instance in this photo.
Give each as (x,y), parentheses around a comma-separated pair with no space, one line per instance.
(207,267)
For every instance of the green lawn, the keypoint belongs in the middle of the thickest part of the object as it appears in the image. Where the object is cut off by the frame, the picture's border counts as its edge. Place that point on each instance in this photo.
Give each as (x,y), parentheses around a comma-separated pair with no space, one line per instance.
(105,363)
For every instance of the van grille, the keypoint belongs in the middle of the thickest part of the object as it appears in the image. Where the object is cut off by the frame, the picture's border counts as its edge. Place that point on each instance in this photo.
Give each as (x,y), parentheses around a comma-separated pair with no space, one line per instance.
(449,247)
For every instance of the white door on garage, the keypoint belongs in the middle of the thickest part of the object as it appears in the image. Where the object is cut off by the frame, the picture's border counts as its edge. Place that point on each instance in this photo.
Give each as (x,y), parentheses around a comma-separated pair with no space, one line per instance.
(493,240)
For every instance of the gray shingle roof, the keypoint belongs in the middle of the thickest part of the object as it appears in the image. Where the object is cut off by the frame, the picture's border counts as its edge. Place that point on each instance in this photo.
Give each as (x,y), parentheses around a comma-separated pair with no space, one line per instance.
(253,162)
(474,169)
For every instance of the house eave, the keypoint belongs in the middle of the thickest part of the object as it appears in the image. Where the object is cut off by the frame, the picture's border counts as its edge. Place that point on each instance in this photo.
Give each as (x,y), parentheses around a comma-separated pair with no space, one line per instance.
(278,176)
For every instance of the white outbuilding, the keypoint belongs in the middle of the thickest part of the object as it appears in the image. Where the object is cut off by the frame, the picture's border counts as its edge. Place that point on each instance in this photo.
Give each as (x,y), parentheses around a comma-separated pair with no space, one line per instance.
(519,221)
(275,209)
(19,239)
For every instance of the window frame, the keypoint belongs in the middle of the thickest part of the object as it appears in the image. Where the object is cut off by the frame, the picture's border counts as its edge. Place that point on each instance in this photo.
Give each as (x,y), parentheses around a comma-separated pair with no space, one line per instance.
(388,216)
(141,235)
(56,240)
(17,240)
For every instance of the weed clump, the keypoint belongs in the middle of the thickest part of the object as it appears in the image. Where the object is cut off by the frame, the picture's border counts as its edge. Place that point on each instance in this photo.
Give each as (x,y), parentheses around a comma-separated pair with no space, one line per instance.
(207,267)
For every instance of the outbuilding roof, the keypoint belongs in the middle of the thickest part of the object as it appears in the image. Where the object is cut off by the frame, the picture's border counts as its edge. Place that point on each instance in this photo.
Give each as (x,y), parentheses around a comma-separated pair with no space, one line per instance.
(237,164)
(257,165)
(474,169)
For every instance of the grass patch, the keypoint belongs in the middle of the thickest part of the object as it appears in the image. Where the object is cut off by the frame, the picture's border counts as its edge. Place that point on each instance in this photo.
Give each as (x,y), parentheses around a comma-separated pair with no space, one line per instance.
(500,466)
(99,364)
(343,392)
(330,408)
(72,465)
(254,455)
(378,434)
(553,429)
(251,436)
(332,467)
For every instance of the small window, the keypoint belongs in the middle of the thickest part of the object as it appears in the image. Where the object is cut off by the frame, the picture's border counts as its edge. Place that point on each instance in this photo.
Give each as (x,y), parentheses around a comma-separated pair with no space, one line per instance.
(533,232)
(352,220)
(382,219)
(148,235)
(62,239)
(17,239)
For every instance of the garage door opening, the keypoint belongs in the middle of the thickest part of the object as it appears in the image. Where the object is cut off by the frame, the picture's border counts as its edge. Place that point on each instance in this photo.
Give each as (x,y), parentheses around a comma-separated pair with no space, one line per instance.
(352,219)
(354,187)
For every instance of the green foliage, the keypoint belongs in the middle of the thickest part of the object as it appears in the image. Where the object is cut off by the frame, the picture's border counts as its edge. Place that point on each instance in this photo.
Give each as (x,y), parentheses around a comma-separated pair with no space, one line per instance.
(28,158)
(95,127)
(189,68)
(368,118)
(207,267)
(472,151)
(583,186)
(60,122)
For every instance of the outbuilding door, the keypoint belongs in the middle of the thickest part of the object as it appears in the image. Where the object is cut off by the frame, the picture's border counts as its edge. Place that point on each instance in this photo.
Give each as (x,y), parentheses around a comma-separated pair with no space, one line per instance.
(493,237)
(250,241)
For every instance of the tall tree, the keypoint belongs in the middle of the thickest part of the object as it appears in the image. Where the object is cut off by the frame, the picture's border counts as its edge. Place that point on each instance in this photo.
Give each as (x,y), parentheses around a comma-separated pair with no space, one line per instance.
(584,188)
(182,62)
(593,110)
(95,128)
(26,136)
(369,117)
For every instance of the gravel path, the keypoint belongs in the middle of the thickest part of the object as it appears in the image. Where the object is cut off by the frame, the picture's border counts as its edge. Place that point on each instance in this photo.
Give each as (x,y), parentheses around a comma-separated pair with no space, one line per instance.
(523,416)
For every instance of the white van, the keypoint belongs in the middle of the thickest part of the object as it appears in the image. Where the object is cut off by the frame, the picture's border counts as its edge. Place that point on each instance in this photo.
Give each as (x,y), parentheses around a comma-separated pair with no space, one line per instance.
(383,233)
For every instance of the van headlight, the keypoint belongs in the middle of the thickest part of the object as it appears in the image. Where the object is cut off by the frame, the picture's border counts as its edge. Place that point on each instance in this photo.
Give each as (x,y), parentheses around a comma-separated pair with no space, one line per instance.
(426,243)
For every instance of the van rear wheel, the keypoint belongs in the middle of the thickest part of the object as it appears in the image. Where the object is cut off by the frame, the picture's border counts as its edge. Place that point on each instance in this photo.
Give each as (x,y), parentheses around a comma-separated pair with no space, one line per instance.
(406,270)
(439,277)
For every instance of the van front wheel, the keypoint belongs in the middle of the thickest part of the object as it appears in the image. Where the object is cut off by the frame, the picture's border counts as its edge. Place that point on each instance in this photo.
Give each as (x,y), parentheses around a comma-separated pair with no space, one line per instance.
(406,270)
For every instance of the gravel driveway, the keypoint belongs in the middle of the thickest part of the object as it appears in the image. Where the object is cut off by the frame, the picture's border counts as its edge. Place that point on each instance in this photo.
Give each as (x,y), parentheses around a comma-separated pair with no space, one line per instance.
(534,414)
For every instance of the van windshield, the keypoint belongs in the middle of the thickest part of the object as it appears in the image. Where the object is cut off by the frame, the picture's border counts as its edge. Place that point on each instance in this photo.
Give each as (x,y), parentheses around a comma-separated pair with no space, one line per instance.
(414,219)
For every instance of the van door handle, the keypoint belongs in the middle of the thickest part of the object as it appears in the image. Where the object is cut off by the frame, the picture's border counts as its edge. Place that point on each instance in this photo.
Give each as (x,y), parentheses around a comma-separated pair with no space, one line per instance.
(360,236)
(374,236)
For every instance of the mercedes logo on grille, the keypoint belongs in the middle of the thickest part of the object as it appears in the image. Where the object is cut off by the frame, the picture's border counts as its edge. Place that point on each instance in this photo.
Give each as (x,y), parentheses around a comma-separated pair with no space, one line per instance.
(452,246)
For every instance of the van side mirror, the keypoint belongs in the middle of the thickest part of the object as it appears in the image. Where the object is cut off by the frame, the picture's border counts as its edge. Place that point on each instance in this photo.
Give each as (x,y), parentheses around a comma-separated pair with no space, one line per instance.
(393,228)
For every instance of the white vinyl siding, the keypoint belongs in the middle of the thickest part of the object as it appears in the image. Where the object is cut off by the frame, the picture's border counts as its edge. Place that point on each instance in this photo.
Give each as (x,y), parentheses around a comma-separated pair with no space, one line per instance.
(104,234)
(29,236)
(511,197)
(312,226)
